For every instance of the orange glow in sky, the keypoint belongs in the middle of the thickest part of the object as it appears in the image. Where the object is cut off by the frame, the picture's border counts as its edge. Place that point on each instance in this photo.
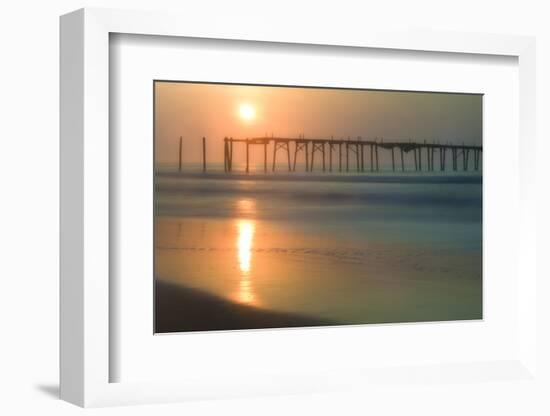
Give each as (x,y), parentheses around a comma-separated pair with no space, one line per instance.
(215,111)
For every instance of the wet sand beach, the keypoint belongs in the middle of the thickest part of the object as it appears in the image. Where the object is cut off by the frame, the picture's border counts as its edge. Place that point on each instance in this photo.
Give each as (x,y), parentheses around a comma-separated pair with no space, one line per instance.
(181,309)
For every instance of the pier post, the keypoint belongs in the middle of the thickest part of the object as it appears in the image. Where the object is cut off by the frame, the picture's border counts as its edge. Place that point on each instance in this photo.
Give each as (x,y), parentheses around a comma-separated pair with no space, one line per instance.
(204,154)
(323,151)
(288,155)
(330,154)
(312,157)
(340,156)
(357,155)
(295,156)
(453,154)
(297,147)
(347,157)
(247,156)
(392,159)
(466,157)
(376,151)
(415,160)
(427,158)
(402,161)
(274,155)
(230,154)
(362,158)
(265,156)
(429,168)
(225,154)
(179,153)
(371,149)
(442,158)
(307,154)
(280,145)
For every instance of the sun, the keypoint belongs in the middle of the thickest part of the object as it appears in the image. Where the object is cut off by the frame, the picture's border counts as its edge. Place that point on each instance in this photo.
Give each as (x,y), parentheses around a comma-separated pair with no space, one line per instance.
(247,112)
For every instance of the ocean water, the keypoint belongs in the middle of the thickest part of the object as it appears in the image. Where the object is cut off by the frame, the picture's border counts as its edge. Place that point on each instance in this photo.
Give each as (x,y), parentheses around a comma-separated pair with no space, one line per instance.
(349,248)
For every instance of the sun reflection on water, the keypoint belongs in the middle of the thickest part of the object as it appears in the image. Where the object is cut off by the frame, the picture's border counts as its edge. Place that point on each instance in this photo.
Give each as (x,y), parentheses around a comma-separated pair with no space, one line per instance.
(245,240)
(245,236)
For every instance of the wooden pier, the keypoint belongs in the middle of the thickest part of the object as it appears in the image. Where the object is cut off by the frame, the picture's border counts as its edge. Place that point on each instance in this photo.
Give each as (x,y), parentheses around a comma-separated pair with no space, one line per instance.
(317,154)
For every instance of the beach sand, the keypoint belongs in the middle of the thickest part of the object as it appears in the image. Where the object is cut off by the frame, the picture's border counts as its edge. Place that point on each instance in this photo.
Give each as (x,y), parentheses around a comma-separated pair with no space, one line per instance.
(180,309)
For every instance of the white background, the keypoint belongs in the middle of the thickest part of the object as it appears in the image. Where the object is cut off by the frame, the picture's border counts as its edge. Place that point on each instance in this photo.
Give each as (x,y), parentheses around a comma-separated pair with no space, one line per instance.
(139,60)
(29,209)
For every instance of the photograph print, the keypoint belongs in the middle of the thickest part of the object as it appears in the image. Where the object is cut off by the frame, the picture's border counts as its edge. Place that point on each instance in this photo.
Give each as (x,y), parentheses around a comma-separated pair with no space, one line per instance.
(289,206)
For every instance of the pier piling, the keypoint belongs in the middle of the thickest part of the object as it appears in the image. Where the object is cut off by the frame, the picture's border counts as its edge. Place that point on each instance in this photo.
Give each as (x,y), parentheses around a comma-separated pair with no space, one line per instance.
(179,153)
(225,154)
(371,149)
(230,150)
(376,154)
(265,157)
(347,156)
(356,146)
(323,151)
(247,155)
(340,157)
(330,154)
(455,157)
(204,154)
(357,156)
(280,145)
(362,158)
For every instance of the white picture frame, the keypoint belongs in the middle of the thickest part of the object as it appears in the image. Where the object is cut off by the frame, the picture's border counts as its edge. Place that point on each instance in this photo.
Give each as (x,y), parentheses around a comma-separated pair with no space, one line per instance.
(85,219)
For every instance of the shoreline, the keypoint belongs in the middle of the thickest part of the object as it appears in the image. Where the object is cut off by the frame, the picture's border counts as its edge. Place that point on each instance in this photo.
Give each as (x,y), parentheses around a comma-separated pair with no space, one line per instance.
(182,309)
(364,177)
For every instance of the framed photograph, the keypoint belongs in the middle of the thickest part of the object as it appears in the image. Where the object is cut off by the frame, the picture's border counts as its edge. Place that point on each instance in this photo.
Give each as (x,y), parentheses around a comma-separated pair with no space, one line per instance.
(280,230)
(265,213)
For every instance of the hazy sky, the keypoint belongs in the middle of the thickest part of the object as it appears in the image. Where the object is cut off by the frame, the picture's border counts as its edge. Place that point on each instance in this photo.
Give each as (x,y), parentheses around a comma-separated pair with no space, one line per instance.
(215,111)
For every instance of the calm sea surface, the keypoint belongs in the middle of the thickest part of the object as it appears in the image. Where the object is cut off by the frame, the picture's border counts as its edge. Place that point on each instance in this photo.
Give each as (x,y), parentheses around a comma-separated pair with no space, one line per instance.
(352,249)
